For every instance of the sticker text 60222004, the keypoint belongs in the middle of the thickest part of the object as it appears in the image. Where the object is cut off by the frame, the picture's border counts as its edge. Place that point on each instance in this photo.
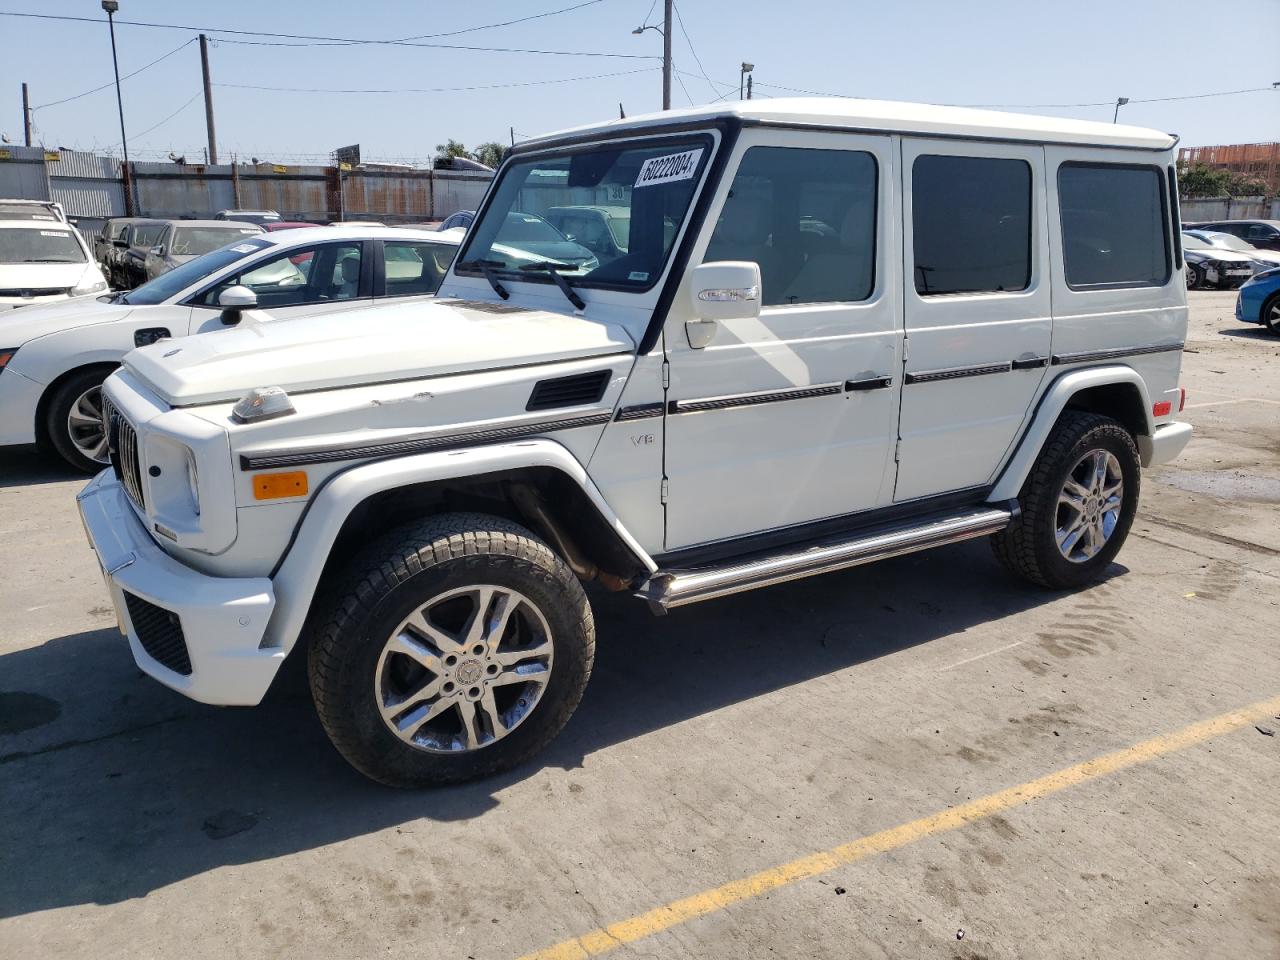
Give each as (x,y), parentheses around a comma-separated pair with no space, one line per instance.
(669,168)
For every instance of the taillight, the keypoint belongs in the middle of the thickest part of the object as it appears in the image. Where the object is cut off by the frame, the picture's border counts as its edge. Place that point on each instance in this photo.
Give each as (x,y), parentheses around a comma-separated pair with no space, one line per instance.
(1162,409)
(6,354)
(1182,398)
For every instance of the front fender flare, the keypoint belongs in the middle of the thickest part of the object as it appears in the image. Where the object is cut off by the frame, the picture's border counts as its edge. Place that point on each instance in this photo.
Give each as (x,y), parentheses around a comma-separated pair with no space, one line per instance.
(1051,405)
(296,578)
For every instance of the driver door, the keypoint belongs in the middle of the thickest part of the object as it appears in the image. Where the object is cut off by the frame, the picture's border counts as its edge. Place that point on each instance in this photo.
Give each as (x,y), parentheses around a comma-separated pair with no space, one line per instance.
(300,281)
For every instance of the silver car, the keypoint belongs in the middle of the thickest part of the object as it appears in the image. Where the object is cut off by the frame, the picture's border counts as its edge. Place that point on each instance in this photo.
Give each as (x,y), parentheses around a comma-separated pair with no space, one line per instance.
(183,240)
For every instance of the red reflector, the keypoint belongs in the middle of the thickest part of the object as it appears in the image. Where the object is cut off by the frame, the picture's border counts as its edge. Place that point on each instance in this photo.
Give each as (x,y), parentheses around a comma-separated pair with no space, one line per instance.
(1163,408)
(1182,399)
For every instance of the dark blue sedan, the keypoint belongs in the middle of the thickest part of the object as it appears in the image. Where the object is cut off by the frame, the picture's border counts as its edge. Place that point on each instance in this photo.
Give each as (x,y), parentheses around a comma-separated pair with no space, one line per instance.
(1259,301)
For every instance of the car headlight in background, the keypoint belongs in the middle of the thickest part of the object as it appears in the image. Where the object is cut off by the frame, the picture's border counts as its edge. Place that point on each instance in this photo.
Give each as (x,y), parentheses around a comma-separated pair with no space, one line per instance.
(90,286)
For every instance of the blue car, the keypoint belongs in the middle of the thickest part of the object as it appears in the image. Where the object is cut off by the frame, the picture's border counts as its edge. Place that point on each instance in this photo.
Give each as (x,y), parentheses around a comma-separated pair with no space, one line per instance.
(1259,301)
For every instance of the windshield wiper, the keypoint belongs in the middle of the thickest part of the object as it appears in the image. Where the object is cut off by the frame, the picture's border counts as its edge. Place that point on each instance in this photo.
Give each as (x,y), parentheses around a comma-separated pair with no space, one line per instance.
(49,260)
(553,268)
(486,268)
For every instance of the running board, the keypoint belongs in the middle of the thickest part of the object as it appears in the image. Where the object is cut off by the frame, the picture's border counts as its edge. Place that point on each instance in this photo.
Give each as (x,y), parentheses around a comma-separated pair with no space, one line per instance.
(675,588)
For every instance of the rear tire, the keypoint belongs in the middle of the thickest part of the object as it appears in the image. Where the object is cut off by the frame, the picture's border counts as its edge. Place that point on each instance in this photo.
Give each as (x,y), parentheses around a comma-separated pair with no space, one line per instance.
(1077,505)
(456,647)
(1270,315)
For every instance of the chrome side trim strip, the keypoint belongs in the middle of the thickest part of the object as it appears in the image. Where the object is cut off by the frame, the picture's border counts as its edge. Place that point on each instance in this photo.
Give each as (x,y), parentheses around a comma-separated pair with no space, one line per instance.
(1084,356)
(675,588)
(394,448)
(751,399)
(640,411)
(955,373)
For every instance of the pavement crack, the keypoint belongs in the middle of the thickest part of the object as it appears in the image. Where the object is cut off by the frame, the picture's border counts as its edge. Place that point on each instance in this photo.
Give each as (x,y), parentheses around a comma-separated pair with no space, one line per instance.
(69,744)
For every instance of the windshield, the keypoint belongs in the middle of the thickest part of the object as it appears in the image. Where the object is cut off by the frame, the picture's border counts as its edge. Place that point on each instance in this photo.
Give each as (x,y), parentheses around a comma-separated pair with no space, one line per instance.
(193,241)
(28,211)
(1230,242)
(168,285)
(647,187)
(36,245)
(1191,242)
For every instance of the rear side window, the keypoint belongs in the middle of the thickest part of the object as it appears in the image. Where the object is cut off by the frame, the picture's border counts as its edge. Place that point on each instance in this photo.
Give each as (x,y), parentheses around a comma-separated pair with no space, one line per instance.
(971,224)
(808,218)
(1175,218)
(1113,232)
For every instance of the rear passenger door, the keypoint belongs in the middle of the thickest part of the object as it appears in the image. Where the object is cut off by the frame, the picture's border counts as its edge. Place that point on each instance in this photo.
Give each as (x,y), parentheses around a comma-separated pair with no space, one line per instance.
(976,309)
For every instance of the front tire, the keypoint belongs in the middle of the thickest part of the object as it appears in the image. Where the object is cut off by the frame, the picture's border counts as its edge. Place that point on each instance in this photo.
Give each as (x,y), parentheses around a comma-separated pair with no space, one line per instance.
(1076,506)
(73,422)
(456,647)
(1195,277)
(1270,314)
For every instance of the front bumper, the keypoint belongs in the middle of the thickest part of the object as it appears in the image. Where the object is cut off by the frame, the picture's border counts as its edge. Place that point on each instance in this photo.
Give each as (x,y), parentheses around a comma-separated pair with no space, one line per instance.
(199,635)
(19,397)
(1165,444)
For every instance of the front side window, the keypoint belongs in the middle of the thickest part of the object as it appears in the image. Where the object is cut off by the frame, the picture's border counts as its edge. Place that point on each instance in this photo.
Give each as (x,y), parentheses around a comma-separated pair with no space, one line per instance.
(808,218)
(971,224)
(415,267)
(1113,225)
(650,184)
(319,274)
(36,244)
(1260,231)
(145,234)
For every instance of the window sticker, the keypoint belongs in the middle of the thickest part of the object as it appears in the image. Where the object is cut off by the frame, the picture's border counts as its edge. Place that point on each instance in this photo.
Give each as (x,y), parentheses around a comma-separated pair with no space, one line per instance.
(640,275)
(669,169)
(244,248)
(53,233)
(248,232)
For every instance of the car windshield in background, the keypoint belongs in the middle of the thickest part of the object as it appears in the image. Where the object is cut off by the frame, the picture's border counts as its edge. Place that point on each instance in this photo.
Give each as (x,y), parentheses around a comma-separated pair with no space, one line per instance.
(1191,242)
(648,187)
(28,211)
(168,285)
(38,245)
(193,241)
(1230,242)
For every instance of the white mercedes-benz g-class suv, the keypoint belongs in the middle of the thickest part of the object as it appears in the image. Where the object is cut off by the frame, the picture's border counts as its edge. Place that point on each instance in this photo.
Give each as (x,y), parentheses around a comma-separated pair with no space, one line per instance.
(831,331)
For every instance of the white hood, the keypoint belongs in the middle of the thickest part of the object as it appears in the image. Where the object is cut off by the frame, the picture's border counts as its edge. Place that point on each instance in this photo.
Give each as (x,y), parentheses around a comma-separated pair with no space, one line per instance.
(424,338)
(19,326)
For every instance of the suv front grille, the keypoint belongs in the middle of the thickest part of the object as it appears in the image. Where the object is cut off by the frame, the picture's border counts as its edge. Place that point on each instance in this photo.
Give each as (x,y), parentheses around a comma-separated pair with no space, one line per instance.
(122,441)
(160,633)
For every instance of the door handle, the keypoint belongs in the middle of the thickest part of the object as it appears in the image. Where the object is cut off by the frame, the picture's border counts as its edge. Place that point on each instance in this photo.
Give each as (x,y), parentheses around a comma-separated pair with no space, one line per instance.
(1030,363)
(870,383)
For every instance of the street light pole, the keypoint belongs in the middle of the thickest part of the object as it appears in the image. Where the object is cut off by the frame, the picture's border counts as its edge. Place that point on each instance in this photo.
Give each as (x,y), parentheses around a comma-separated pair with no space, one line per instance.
(742,73)
(1120,102)
(665,30)
(111,6)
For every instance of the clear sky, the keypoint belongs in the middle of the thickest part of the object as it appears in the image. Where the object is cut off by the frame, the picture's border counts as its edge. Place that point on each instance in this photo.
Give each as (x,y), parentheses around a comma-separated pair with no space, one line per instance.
(983,52)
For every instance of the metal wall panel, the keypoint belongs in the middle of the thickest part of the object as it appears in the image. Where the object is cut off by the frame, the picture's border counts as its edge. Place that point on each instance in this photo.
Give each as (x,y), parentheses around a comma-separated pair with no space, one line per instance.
(22,175)
(174,191)
(457,190)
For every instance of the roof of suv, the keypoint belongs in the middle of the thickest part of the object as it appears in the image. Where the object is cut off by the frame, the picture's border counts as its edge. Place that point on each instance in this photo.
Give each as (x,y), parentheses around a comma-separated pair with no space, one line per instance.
(351,232)
(888,116)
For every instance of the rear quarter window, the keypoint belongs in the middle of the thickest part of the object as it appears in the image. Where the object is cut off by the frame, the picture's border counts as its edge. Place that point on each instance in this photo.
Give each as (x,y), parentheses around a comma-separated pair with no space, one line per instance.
(1113,225)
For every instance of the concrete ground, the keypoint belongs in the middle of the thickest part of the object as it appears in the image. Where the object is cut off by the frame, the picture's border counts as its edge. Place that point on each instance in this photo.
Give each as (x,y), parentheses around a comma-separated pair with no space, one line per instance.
(719,742)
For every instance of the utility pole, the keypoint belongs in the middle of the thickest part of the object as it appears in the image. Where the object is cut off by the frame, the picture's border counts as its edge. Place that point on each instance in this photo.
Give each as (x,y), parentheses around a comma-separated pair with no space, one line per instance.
(208,98)
(111,6)
(749,87)
(26,115)
(666,54)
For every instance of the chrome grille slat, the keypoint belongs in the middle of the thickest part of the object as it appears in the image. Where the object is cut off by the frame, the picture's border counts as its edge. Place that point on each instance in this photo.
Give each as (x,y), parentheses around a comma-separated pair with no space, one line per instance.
(123,443)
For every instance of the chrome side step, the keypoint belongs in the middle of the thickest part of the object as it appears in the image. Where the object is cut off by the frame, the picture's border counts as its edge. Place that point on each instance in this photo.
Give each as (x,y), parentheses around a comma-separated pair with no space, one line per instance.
(675,588)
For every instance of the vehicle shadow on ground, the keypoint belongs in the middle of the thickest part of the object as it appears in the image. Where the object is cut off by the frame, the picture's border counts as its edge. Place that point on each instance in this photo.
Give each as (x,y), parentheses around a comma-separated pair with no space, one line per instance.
(1256,333)
(27,465)
(113,786)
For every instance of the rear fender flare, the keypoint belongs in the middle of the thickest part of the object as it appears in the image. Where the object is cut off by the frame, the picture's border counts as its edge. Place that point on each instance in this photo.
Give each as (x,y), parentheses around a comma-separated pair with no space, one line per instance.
(299,573)
(1052,403)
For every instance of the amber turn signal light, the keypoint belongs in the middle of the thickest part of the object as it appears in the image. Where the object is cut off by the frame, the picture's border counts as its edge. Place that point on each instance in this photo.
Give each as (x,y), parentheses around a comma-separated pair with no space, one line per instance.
(273,486)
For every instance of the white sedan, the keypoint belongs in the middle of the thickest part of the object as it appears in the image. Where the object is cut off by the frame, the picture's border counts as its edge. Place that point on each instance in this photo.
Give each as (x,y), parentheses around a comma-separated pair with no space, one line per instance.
(44,262)
(53,359)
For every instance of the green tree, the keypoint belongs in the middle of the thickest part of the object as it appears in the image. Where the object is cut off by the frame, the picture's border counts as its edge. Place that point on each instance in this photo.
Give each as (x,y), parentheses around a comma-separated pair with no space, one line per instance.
(452,149)
(1203,181)
(490,154)
(1247,185)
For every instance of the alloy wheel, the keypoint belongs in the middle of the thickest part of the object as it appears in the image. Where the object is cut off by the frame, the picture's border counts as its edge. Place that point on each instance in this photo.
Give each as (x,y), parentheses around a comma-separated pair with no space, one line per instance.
(1089,505)
(464,669)
(85,427)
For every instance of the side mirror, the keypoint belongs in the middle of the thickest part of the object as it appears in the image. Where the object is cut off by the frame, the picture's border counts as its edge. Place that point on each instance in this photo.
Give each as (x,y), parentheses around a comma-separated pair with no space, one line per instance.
(725,290)
(235,299)
(158,250)
(122,244)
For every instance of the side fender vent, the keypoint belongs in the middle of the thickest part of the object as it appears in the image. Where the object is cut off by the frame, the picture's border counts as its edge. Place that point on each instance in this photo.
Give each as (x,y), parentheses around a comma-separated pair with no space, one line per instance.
(569,391)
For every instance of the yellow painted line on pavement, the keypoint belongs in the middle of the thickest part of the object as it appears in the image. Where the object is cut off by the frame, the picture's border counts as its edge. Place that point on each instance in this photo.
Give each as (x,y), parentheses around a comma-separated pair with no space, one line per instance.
(615,935)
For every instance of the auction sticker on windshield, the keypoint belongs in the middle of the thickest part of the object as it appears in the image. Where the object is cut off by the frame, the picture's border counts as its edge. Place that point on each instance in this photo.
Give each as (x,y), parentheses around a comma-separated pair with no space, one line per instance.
(669,168)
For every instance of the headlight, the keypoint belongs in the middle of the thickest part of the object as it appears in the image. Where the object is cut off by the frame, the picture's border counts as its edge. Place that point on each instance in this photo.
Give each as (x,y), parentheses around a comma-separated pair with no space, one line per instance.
(91,286)
(193,482)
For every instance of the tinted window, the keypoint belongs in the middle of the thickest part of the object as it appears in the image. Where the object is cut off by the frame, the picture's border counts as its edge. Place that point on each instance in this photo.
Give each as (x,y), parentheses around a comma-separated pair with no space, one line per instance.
(1113,219)
(807,217)
(1175,217)
(308,275)
(415,266)
(971,221)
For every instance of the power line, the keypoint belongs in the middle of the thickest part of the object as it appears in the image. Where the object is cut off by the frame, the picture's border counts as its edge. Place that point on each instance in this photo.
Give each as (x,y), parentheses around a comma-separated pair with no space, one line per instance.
(164,121)
(122,79)
(489,86)
(336,41)
(696,58)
